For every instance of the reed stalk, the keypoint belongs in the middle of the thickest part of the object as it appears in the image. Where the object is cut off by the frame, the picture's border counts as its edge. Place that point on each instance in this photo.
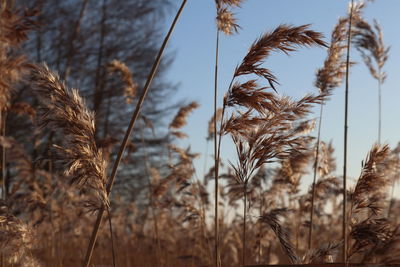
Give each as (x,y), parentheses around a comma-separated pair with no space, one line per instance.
(344,222)
(3,177)
(315,177)
(244,223)
(112,238)
(216,158)
(3,155)
(151,202)
(124,143)
(379,107)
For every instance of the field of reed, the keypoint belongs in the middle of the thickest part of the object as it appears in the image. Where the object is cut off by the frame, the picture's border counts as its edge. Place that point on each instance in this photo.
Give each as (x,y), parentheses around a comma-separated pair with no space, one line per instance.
(93,172)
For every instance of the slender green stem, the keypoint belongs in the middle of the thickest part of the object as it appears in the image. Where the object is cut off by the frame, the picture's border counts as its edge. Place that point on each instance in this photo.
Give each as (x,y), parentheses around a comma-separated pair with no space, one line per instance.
(135,115)
(344,226)
(315,177)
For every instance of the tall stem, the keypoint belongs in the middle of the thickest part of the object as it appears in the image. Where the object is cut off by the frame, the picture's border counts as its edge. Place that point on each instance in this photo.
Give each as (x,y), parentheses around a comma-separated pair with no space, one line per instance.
(99,75)
(315,177)
(391,203)
(74,36)
(112,238)
(379,107)
(124,143)
(3,171)
(205,163)
(244,223)
(216,158)
(151,202)
(344,226)
(260,225)
(3,156)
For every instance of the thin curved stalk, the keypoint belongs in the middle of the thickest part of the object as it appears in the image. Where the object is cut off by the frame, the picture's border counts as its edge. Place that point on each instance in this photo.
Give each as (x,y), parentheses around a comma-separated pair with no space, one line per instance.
(344,224)
(135,115)
(315,177)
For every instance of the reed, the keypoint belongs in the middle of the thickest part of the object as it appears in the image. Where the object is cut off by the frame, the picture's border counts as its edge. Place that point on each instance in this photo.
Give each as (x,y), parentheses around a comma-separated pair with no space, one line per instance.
(328,78)
(344,223)
(128,133)
(225,23)
(162,212)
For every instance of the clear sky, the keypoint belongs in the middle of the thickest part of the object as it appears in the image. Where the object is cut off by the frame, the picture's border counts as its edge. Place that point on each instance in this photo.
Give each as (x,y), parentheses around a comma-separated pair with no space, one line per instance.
(193,43)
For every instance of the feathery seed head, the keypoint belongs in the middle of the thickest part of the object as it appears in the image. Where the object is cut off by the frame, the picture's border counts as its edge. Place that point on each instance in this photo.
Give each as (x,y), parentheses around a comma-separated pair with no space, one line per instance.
(226,22)
(180,118)
(285,38)
(65,111)
(130,86)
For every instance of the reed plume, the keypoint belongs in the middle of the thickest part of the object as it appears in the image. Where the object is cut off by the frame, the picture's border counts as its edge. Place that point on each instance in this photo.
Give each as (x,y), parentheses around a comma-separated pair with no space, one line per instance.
(272,218)
(15,28)
(354,13)
(277,111)
(371,182)
(324,254)
(260,140)
(285,38)
(180,118)
(395,163)
(367,228)
(16,239)
(329,77)
(130,87)
(369,42)
(211,124)
(226,22)
(65,111)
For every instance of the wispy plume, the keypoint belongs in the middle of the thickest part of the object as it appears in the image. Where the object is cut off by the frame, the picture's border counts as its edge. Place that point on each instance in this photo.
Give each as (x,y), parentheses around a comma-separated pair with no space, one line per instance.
(130,87)
(65,111)
(273,219)
(226,21)
(285,38)
(333,71)
(180,118)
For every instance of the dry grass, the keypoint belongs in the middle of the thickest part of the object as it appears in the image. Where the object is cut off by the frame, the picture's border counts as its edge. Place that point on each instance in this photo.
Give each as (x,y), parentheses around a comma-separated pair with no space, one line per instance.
(52,180)
(65,110)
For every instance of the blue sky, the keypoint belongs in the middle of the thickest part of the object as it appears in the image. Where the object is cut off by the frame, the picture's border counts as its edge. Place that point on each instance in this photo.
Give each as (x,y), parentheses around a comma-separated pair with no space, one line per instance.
(193,43)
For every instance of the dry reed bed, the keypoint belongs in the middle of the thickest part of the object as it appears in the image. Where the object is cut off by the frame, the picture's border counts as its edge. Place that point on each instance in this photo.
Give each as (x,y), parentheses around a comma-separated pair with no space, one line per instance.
(259,215)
